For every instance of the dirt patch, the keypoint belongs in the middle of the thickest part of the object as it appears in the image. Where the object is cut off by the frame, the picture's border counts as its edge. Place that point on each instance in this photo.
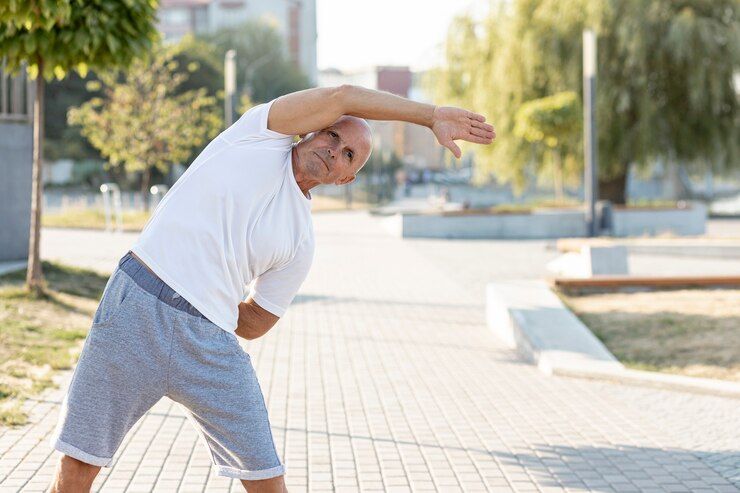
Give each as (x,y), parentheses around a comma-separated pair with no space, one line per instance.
(694,332)
(42,334)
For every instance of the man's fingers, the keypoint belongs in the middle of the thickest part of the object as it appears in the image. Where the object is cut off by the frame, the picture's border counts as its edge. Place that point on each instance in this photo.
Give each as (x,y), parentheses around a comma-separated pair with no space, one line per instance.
(479,132)
(454,148)
(479,140)
(476,117)
(483,126)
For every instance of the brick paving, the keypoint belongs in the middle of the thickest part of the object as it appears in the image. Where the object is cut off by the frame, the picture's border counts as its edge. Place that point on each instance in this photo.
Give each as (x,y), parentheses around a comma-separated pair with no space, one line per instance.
(384,377)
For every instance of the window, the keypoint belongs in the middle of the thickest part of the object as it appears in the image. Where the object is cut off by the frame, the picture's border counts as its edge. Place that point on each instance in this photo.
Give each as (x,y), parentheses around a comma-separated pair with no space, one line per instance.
(16,100)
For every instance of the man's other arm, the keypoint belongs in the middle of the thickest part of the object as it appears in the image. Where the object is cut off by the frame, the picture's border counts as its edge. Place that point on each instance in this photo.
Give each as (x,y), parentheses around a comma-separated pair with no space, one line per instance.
(306,111)
(310,110)
(254,321)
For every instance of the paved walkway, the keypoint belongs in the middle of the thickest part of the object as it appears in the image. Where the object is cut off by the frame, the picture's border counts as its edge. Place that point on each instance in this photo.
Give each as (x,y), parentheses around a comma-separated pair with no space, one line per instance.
(384,377)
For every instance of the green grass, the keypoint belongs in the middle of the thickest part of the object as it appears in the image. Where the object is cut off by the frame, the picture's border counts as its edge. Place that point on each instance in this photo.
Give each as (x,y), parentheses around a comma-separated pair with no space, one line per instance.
(13,415)
(42,334)
(93,218)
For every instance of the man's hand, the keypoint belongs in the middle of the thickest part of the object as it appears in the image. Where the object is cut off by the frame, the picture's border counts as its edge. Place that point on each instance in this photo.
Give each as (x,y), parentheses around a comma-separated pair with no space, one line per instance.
(254,321)
(450,124)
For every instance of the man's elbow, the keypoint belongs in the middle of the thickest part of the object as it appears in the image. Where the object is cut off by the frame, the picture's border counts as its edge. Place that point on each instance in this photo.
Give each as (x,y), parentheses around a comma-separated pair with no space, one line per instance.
(254,321)
(342,96)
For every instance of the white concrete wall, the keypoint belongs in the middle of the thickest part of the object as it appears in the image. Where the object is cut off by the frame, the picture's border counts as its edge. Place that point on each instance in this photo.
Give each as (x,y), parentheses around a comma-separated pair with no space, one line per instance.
(539,225)
(16,165)
(550,224)
(682,222)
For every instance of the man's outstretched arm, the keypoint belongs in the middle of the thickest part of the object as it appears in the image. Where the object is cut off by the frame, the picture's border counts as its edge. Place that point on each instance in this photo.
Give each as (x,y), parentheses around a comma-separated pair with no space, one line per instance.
(306,111)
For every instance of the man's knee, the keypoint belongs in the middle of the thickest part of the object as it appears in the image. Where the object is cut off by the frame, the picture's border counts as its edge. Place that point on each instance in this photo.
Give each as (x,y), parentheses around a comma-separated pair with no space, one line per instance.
(73,475)
(272,485)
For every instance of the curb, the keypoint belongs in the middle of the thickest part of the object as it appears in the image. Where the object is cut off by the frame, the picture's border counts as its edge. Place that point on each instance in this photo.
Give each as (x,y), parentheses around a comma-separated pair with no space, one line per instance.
(527,316)
(686,247)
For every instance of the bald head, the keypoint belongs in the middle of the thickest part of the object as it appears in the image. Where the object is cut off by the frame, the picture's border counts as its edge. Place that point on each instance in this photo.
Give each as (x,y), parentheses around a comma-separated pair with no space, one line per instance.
(356,131)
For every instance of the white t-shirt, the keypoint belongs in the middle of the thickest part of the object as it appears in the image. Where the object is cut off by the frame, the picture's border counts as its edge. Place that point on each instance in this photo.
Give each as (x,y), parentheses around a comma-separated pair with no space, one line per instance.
(235,216)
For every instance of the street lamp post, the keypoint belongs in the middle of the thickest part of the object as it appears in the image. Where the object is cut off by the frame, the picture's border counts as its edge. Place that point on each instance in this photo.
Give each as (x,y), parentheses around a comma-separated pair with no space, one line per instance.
(229,86)
(590,150)
(250,71)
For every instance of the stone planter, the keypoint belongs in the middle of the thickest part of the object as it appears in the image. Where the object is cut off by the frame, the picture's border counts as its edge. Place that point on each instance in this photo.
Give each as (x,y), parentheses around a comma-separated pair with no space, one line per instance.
(546,223)
(638,221)
(524,225)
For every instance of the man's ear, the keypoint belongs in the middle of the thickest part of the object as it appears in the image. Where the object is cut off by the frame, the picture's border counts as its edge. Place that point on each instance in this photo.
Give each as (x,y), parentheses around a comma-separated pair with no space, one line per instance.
(345,181)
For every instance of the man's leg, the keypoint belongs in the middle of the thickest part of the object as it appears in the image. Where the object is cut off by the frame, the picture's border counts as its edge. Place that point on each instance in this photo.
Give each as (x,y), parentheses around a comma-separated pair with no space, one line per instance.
(272,485)
(73,476)
(121,374)
(214,380)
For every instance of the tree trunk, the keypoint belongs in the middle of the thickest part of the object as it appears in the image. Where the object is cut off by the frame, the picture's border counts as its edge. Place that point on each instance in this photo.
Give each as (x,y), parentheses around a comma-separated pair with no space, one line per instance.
(558,176)
(614,189)
(145,179)
(34,275)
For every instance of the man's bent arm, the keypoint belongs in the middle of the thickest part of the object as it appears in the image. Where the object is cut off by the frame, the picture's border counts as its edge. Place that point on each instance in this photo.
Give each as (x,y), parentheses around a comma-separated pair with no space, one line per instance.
(254,321)
(307,111)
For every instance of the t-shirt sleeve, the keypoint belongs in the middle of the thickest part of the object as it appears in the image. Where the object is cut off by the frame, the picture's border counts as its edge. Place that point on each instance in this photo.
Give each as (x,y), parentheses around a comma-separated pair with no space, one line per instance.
(275,289)
(252,126)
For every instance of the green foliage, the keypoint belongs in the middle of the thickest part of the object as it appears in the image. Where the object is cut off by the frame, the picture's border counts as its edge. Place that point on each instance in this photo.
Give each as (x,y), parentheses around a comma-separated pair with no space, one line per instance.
(143,122)
(665,77)
(263,71)
(195,57)
(201,61)
(552,121)
(79,34)
(553,126)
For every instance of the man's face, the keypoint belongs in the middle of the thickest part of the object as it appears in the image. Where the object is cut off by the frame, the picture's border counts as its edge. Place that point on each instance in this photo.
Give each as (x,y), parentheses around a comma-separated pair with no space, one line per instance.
(335,154)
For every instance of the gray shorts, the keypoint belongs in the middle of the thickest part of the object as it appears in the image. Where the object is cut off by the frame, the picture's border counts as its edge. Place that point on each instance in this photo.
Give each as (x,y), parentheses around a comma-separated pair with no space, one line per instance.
(147,342)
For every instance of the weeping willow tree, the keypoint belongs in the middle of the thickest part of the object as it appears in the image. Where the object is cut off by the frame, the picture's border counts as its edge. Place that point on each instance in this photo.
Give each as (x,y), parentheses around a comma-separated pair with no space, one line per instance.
(665,79)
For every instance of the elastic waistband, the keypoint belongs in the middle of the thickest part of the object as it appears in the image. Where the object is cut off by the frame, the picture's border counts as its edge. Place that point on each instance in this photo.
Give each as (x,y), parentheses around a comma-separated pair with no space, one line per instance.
(154,285)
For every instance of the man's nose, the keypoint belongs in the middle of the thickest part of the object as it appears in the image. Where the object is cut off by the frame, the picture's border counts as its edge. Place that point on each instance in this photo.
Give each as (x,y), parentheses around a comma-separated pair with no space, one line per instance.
(331,153)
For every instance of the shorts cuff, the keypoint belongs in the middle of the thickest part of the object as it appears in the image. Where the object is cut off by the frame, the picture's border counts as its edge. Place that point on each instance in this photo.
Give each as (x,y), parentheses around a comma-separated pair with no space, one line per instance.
(80,455)
(232,472)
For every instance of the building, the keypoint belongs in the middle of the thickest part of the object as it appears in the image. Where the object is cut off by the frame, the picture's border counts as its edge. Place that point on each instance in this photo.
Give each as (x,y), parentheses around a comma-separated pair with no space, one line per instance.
(16,165)
(294,19)
(416,146)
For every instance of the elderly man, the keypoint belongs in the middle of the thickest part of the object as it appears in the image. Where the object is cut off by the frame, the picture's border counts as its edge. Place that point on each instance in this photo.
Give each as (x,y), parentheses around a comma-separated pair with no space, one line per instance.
(168,321)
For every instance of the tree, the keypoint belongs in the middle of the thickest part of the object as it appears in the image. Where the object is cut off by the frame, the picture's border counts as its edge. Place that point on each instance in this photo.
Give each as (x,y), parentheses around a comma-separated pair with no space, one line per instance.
(553,126)
(52,37)
(195,57)
(143,123)
(665,78)
(263,72)
(202,62)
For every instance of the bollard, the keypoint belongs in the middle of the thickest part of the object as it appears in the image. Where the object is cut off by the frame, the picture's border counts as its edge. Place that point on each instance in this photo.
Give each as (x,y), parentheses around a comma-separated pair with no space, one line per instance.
(112,206)
(158,192)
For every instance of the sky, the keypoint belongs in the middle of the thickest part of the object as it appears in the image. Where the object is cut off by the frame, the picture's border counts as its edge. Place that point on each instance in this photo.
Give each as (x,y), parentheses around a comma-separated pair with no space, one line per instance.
(354,34)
